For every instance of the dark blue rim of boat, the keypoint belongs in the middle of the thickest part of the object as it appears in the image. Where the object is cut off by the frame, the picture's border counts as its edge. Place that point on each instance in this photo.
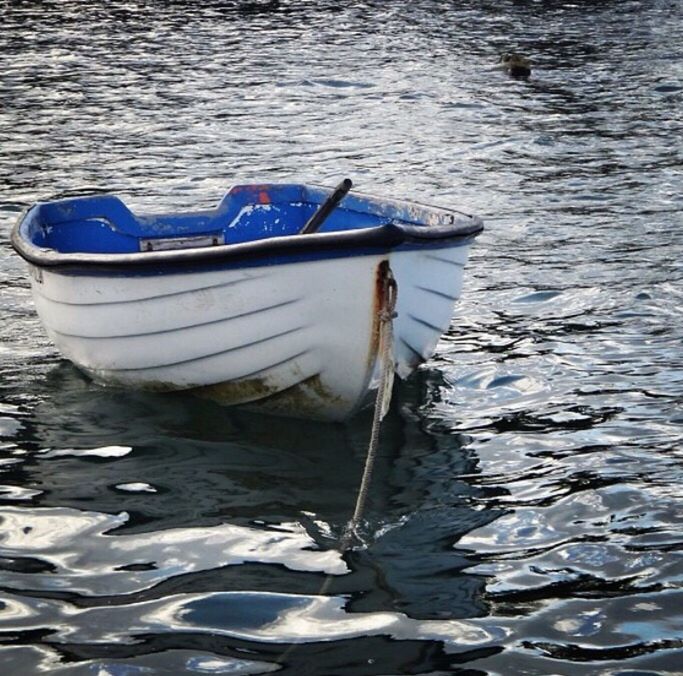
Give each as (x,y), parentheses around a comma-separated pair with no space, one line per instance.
(274,250)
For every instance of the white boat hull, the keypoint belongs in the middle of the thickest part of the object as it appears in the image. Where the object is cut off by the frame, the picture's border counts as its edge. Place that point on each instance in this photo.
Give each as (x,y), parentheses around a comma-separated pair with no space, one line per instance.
(295,339)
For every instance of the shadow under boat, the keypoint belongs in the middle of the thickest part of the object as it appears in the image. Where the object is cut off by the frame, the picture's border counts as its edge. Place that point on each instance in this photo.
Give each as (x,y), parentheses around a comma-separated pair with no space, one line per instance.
(205,465)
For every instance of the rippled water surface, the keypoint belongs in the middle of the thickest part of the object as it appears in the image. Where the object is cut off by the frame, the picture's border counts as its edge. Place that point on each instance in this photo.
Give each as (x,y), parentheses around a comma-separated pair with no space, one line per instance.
(525,514)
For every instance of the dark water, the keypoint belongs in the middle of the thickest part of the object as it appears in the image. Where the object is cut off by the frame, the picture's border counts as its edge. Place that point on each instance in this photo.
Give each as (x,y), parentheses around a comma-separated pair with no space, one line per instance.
(526,512)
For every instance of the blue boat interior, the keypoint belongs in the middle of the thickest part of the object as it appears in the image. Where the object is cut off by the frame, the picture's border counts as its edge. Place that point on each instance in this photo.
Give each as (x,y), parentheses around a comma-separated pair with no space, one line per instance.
(104,224)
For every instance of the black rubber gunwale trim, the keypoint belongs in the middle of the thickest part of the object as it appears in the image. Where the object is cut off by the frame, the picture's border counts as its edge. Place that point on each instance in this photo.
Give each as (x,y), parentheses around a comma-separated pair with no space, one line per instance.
(383,237)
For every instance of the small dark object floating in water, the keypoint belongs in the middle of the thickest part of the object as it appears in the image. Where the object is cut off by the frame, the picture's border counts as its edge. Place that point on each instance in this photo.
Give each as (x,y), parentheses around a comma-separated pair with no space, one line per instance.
(516,65)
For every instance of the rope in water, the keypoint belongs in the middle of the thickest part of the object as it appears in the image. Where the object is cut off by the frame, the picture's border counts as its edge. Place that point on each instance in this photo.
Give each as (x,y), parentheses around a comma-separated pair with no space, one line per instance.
(385,354)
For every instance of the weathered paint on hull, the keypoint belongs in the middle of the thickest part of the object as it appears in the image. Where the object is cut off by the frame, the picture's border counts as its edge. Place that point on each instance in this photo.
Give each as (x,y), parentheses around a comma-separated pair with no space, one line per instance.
(297,339)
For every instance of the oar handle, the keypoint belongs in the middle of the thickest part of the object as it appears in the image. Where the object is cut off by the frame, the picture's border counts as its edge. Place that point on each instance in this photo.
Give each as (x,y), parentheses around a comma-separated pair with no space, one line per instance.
(326,208)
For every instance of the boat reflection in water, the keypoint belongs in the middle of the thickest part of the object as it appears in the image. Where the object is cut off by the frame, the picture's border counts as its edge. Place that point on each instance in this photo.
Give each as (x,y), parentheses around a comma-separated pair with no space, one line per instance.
(157,515)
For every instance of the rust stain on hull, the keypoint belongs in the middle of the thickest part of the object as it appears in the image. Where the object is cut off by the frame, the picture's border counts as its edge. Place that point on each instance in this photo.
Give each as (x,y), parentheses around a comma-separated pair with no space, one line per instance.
(307,399)
(234,392)
(384,282)
(378,302)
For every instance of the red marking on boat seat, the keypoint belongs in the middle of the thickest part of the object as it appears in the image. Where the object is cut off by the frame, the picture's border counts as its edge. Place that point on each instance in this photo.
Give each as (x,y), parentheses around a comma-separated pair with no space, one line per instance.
(263,197)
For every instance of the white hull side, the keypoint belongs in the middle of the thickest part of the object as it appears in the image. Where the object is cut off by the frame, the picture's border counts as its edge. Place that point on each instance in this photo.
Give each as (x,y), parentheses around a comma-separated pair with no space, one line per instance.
(429,285)
(298,339)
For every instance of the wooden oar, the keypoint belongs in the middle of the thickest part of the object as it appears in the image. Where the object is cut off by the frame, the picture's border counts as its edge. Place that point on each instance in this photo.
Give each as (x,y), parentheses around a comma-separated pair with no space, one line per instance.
(326,208)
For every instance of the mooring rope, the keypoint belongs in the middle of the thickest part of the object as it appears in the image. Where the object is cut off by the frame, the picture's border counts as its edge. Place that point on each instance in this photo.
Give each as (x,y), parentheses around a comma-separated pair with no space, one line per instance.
(385,354)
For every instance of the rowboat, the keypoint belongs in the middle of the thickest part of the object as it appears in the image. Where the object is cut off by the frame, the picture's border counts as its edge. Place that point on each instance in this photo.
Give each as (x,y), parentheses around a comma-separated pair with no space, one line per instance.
(269,300)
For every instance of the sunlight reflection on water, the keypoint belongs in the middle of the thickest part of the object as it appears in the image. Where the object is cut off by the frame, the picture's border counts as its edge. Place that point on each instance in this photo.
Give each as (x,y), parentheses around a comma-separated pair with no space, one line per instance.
(525,512)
